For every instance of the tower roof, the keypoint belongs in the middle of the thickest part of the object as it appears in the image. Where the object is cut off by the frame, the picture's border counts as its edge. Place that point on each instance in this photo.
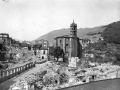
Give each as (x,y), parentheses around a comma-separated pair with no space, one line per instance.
(73,24)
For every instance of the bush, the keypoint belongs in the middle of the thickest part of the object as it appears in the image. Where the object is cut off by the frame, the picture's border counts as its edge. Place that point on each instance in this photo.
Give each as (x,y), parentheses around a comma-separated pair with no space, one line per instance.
(58,52)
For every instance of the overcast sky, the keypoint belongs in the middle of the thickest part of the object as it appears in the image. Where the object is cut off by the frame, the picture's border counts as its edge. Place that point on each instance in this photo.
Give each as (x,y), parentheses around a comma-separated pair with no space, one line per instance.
(29,19)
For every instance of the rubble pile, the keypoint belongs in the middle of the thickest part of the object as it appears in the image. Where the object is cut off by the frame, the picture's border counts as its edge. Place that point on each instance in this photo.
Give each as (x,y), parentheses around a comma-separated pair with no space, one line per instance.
(19,56)
(20,85)
(52,76)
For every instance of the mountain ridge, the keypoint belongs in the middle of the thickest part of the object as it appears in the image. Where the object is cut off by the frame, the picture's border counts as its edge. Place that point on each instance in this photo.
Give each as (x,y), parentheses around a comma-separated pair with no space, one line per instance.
(81,33)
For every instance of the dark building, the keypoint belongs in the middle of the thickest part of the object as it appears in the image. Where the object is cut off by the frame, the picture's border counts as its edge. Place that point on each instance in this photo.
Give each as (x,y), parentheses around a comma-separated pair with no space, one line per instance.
(70,43)
(15,43)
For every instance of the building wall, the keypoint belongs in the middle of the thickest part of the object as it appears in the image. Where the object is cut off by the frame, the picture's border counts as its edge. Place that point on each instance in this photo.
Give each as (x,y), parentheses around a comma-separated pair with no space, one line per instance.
(43,53)
(59,42)
(67,45)
(43,42)
(71,46)
(75,47)
(63,43)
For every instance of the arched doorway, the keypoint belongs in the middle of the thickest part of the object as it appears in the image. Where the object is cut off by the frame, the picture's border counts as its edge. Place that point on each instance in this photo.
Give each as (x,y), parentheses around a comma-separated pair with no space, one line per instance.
(42,57)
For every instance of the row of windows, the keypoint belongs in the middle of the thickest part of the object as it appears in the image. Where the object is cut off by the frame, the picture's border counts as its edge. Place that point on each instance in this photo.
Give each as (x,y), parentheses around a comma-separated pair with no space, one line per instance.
(61,41)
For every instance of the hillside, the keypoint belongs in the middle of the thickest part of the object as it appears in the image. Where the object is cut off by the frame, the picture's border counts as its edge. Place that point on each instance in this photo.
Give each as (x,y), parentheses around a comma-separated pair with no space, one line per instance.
(112,33)
(81,33)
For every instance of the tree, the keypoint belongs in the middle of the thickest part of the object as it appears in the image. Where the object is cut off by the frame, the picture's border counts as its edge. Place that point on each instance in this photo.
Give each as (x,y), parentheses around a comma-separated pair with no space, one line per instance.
(58,52)
(112,33)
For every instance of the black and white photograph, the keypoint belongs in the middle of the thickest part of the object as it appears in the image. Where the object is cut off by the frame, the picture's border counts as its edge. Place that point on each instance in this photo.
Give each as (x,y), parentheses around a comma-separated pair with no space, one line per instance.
(59,44)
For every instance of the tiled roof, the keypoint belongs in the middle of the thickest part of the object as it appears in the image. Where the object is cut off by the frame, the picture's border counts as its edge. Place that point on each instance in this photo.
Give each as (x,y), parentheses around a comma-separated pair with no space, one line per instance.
(63,36)
(43,48)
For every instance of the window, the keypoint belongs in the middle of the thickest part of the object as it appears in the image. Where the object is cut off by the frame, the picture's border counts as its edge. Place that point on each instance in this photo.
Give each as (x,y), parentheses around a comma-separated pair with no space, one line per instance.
(44,52)
(60,41)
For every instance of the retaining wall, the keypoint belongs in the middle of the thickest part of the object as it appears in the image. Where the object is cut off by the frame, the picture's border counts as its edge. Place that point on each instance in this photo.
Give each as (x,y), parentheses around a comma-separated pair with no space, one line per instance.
(7,74)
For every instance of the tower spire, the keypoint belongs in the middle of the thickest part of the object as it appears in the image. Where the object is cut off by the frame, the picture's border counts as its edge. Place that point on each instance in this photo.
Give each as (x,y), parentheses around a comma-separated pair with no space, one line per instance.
(73,20)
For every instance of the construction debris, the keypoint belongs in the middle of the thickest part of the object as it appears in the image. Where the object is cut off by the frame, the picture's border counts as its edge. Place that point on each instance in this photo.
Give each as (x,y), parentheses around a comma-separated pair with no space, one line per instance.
(53,76)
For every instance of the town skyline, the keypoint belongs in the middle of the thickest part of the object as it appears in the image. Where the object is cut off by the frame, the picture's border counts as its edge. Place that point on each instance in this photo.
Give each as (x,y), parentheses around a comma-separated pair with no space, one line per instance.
(28,19)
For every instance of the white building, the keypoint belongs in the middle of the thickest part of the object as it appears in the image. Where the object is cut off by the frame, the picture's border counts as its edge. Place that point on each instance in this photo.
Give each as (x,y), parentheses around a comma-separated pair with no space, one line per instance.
(43,53)
(74,62)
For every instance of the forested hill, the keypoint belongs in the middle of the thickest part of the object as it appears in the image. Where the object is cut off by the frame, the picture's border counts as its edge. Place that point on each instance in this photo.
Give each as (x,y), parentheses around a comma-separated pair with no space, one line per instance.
(112,33)
(81,33)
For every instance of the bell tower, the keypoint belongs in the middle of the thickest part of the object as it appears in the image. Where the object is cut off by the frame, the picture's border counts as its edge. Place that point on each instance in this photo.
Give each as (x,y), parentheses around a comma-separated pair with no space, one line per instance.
(73,29)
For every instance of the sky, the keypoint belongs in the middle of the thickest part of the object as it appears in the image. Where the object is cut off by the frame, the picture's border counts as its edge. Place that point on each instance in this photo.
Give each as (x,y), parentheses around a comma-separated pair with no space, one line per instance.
(30,19)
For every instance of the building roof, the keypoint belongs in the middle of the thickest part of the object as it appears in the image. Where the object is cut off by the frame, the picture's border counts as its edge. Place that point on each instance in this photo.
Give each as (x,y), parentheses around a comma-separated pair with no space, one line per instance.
(43,48)
(73,24)
(24,44)
(64,36)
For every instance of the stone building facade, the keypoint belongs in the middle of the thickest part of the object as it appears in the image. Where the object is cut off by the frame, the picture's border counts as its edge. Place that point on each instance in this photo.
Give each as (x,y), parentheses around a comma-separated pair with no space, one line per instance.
(43,53)
(44,43)
(70,43)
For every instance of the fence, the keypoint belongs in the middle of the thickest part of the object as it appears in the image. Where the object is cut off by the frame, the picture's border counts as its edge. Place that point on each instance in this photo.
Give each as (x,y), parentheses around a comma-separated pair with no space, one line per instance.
(7,74)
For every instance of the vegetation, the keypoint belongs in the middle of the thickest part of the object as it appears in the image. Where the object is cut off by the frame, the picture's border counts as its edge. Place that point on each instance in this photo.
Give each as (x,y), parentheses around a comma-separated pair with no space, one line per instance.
(91,34)
(101,45)
(112,33)
(58,52)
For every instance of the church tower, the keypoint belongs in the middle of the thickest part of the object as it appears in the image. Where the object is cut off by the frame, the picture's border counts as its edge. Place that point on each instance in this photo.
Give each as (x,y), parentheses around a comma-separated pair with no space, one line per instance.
(73,29)
(74,44)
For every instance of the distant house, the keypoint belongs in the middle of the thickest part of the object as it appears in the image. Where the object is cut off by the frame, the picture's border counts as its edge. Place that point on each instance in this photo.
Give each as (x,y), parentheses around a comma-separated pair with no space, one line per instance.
(43,53)
(23,44)
(16,44)
(42,42)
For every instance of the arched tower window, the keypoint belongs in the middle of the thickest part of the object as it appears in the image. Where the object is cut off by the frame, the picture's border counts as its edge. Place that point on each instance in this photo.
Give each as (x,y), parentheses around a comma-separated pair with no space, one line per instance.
(73,31)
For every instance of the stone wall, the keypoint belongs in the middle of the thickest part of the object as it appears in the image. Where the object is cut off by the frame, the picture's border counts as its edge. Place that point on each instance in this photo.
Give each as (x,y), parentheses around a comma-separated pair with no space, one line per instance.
(7,74)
